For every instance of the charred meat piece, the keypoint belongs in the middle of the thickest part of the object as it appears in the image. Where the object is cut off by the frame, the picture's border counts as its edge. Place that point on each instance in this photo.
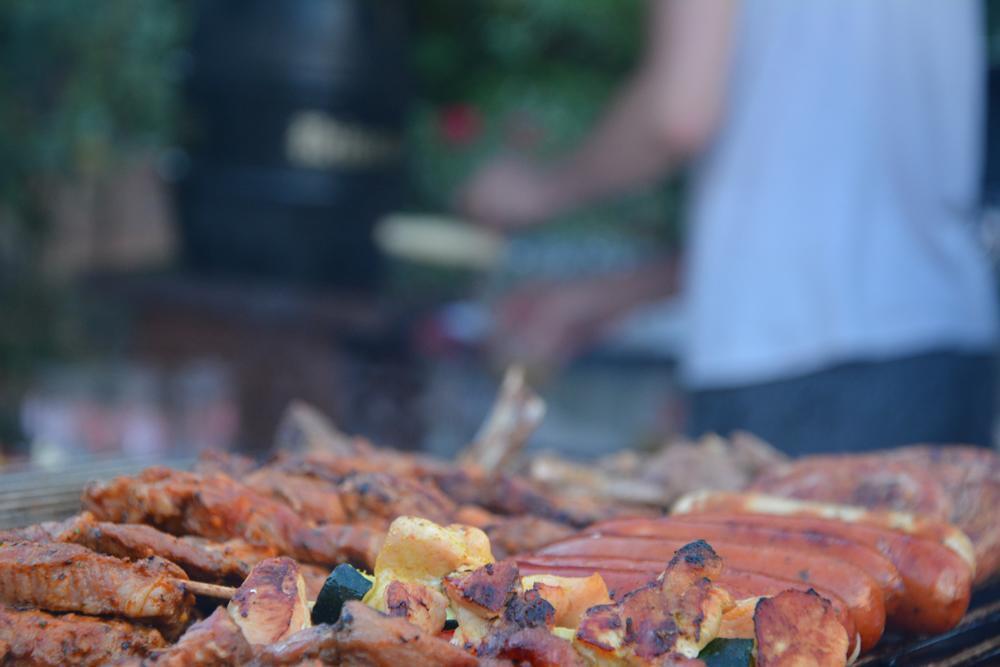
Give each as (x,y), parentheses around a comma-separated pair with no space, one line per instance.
(523,634)
(679,613)
(68,577)
(798,628)
(271,603)
(364,636)
(44,640)
(570,596)
(421,605)
(214,642)
(485,590)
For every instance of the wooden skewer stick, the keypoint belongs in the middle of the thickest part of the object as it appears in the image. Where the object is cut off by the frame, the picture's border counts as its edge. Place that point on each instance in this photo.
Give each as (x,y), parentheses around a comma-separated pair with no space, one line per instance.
(216,591)
(208,590)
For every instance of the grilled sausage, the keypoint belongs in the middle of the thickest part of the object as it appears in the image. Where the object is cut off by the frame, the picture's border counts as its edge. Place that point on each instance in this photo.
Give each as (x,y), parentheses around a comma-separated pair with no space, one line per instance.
(937,581)
(865,558)
(625,574)
(756,503)
(859,591)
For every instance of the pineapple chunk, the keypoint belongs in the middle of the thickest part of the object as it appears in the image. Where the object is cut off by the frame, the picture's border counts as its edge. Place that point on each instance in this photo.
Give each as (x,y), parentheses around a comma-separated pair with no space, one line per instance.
(420,551)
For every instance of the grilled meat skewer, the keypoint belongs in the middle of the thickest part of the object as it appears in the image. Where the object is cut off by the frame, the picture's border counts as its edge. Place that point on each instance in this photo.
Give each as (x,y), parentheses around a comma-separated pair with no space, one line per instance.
(36,638)
(217,507)
(69,577)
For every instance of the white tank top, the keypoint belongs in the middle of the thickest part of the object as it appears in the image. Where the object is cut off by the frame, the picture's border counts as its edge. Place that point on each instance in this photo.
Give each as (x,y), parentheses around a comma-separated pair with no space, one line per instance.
(833,218)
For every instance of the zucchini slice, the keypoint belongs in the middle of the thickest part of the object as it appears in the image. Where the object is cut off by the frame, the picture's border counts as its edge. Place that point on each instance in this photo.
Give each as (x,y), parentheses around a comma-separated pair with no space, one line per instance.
(722,652)
(344,583)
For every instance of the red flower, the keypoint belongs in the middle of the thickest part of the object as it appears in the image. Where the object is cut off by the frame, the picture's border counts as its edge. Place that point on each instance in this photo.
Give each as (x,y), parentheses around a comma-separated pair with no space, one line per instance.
(460,124)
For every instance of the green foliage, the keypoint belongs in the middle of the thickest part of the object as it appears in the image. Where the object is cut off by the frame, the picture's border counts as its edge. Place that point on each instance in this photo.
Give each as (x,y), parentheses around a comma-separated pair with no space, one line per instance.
(80,83)
(526,76)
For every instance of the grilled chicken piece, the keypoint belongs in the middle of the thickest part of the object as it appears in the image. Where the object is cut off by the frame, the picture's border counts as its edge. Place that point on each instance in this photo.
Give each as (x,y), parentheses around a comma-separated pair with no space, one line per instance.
(42,640)
(486,590)
(214,642)
(364,636)
(421,605)
(571,597)
(68,577)
(271,603)
(677,614)
(523,634)
(419,551)
(798,628)
(217,507)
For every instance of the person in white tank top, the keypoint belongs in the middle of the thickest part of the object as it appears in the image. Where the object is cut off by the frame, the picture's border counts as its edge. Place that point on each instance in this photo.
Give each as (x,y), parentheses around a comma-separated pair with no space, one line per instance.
(836,295)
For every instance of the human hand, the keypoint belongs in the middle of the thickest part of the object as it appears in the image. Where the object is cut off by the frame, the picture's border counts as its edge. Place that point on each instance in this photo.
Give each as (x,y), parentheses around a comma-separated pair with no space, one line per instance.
(508,193)
(545,325)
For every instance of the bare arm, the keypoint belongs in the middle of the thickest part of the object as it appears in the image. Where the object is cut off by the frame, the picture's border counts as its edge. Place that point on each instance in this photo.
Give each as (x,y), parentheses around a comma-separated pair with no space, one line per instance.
(665,113)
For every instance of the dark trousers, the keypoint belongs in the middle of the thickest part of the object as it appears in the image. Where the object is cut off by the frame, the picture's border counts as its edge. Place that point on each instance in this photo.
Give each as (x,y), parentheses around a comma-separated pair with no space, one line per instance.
(938,397)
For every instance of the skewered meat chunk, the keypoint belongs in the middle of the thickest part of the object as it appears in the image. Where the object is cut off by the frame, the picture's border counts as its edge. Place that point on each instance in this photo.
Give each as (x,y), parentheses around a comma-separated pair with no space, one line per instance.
(485,590)
(201,559)
(214,642)
(271,603)
(68,577)
(43,640)
(421,605)
(676,614)
(524,635)
(217,507)
(213,506)
(364,636)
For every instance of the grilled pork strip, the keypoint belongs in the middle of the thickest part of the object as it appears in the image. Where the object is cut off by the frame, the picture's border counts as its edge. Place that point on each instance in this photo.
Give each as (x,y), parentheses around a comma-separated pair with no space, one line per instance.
(218,507)
(68,577)
(203,560)
(44,640)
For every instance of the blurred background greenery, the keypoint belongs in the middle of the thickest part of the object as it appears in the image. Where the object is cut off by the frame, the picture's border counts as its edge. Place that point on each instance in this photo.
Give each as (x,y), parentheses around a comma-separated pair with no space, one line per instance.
(86,87)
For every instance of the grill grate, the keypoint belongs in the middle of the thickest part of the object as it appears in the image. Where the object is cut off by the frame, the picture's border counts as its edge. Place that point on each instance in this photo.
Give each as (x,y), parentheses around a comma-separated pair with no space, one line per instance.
(33,495)
(30,495)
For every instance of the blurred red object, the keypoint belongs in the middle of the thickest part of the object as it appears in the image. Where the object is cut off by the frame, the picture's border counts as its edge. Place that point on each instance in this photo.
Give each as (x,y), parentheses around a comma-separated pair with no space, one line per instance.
(460,124)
